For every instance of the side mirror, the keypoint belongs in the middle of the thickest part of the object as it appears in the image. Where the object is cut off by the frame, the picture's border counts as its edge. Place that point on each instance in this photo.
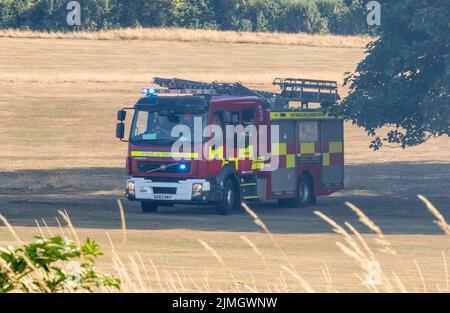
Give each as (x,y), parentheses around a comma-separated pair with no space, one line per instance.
(121,115)
(120,130)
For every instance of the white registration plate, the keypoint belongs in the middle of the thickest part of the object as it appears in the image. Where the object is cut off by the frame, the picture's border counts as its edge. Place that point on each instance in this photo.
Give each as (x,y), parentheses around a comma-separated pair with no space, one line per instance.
(163,197)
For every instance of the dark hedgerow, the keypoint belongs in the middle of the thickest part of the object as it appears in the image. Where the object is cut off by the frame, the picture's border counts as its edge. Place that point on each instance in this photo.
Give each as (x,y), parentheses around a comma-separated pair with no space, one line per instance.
(344,17)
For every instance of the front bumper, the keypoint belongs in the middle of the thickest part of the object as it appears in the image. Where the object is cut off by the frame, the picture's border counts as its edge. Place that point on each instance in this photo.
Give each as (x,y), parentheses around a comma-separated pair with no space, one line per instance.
(175,192)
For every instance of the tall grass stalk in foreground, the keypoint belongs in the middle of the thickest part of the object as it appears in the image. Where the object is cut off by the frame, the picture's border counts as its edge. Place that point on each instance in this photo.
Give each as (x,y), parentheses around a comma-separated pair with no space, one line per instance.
(375,277)
(441,222)
(289,269)
(122,219)
(135,275)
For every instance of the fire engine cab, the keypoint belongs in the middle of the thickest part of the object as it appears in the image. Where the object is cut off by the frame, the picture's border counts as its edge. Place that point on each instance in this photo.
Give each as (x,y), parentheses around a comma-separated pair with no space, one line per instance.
(309,148)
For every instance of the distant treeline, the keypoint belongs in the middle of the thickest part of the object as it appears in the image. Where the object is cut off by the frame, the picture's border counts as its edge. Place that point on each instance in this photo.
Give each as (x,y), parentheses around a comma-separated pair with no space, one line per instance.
(310,16)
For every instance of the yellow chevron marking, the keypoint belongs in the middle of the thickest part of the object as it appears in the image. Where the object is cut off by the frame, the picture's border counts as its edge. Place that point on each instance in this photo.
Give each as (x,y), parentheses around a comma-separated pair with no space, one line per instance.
(290,161)
(279,148)
(335,147)
(307,147)
(160,154)
(326,159)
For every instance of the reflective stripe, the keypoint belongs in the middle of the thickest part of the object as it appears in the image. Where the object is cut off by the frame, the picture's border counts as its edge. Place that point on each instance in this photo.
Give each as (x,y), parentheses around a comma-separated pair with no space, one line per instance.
(300,115)
(290,161)
(216,154)
(279,148)
(236,163)
(258,164)
(251,197)
(326,159)
(160,154)
(246,153)
(335,147)
(307,148)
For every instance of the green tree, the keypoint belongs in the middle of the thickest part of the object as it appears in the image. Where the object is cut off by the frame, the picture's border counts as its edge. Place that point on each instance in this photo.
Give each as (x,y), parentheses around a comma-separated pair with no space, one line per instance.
(56,264)
(155,13)
(301,16)
(344,17)
(197,14)
(313,16)
(264,14)
(11,12)
(404,82)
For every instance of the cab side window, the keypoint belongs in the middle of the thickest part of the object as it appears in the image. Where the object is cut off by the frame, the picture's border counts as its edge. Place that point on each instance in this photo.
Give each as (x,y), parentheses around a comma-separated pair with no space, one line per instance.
(142,123)
(234,118)
(217,119)
(248,117)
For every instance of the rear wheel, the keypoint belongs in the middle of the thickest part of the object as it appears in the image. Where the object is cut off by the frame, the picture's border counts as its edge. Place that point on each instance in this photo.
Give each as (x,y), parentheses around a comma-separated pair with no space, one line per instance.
(229,201)
(148,206)
(305,191)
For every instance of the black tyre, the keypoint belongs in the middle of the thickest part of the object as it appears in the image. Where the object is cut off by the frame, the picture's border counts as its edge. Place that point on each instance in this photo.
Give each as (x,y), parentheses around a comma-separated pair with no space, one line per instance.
(305,195)
(148,206)
(230,199)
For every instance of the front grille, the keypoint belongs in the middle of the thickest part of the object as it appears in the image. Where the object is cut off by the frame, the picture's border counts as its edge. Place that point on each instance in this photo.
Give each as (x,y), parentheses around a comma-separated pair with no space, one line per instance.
(165,190)
(153,166)
(164,179)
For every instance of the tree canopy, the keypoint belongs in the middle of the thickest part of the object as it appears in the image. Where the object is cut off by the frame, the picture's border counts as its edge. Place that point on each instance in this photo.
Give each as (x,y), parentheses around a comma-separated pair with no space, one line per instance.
(403,84)
(311,16)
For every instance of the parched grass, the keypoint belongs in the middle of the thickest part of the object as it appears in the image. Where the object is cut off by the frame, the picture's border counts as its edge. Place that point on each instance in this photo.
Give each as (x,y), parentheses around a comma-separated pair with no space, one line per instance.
(378,265)
(52,90)
(263,79)
(197,35)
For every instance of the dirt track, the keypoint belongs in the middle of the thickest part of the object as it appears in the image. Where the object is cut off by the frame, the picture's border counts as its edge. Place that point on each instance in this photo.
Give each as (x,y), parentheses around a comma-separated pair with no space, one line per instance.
(386,192)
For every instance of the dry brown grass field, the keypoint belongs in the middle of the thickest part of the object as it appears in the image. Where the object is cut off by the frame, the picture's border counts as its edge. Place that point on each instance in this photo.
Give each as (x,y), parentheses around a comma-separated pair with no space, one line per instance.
(199,35)
(58,101)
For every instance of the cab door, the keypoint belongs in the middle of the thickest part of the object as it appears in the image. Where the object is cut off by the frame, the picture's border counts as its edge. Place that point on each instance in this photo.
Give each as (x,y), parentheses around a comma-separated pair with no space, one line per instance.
(216,152)
(249,152)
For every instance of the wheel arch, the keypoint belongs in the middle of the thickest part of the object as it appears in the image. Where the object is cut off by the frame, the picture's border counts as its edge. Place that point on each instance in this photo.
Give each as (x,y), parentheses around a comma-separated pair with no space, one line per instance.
(237,185)
(229,172)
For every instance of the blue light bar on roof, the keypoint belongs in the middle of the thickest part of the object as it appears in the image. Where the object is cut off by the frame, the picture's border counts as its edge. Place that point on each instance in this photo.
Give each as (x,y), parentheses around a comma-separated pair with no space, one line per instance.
(149,91)
(155,91)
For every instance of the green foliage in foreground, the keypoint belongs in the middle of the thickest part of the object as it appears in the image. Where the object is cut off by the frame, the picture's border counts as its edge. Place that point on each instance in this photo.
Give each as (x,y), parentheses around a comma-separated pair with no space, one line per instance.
(311,16)
(404,82)
(52,265)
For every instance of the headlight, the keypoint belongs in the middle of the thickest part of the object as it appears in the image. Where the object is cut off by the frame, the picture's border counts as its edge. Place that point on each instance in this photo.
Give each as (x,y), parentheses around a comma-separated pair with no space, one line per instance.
(197,187)
(131,186)
(197,190)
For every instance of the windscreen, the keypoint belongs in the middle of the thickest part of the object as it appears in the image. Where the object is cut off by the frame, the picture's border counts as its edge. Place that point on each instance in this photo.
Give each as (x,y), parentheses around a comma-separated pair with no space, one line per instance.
(156,127)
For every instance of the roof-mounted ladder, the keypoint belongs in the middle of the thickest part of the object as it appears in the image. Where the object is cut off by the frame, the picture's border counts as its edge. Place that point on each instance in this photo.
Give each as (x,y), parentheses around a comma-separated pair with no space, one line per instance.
(307,90)
(292,89)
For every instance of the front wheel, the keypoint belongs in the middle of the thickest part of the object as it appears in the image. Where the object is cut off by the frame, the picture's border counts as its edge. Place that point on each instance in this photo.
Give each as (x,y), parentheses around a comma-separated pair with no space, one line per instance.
(229,199)
(148,207)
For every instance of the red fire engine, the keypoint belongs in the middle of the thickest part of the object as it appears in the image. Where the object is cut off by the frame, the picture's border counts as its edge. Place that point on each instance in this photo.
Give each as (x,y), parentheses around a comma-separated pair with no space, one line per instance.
(309,148)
